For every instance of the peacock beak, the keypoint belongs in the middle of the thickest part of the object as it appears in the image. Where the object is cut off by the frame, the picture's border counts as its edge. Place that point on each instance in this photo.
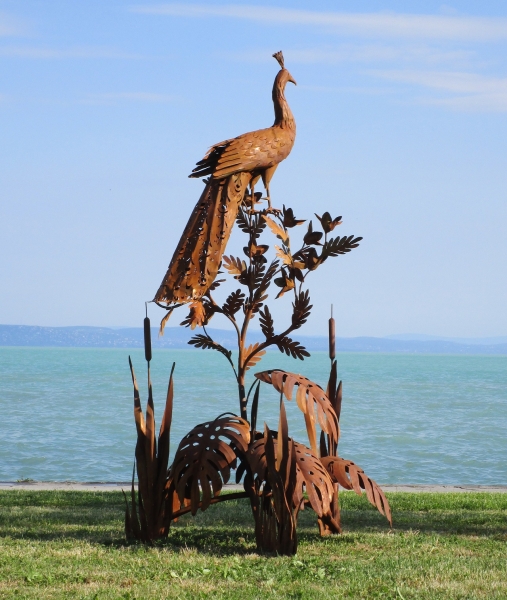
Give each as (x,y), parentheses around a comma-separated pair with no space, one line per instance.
(292,80)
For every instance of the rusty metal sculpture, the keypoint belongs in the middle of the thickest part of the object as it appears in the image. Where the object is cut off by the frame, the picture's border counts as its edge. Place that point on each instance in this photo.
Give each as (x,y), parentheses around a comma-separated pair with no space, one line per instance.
(151,516)
(280,476)
(232,166)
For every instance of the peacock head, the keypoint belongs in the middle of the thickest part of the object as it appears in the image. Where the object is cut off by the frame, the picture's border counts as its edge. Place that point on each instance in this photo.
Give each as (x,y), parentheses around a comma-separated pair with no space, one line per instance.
(283,76)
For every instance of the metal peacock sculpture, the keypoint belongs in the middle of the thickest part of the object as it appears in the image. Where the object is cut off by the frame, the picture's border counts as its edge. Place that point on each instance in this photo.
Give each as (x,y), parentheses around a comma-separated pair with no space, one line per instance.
(280,476)
(232,166)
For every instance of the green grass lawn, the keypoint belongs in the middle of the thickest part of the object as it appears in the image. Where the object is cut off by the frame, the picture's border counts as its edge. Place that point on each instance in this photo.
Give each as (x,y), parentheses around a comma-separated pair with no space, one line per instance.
(71,545)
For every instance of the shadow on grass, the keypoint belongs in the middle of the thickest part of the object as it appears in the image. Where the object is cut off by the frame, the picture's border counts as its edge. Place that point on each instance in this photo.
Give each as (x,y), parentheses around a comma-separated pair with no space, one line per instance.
(227,528)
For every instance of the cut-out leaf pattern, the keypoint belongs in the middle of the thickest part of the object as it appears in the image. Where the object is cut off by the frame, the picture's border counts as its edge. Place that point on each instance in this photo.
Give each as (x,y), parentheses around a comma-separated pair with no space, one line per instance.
(351,477)
(310,397)
(204,459)
(312,476)
(337,246)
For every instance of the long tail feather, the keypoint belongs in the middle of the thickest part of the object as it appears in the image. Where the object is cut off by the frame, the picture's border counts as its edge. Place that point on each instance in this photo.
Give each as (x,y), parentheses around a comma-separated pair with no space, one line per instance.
(197,257)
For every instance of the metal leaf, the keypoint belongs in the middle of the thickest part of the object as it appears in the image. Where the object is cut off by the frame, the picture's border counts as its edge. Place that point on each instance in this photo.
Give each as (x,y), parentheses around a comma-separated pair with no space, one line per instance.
(196,317)
(291,347)
(254,359)
(276,229)
(351,477)
(311,474)
(233,303)
(204,458)
(266,322)
(310,397)
(318,483)
(235,266)
(206,343)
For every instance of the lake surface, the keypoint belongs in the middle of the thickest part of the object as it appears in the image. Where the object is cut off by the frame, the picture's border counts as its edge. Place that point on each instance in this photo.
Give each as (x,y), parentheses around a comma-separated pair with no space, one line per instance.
(67,413)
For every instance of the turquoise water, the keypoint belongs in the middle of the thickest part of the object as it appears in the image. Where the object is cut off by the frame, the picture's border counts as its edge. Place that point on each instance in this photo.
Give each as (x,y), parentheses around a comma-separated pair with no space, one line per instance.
(67,413)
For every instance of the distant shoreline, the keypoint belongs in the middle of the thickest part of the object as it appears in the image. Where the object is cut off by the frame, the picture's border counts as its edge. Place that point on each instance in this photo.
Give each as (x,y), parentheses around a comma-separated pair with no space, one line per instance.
(177,338)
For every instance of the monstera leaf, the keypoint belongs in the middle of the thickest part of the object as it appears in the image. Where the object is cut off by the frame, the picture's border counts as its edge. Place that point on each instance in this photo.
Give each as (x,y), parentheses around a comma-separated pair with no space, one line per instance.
(351,477)
(317,481)
(204,459)
(309,397)
(311,475)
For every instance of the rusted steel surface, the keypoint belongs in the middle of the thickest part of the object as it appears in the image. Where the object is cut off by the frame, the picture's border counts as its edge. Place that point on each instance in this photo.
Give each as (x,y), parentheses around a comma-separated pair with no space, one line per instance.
(280,476)
(205,457)
(310,399)
(272,485)
(232,166)
(351,477)
(149,517)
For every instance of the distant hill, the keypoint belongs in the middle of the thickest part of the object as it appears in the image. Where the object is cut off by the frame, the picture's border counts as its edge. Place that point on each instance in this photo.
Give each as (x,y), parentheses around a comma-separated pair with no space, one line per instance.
(177,337)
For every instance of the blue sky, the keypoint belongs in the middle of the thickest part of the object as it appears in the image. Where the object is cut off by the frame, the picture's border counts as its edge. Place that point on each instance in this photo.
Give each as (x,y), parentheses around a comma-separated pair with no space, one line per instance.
(401,109)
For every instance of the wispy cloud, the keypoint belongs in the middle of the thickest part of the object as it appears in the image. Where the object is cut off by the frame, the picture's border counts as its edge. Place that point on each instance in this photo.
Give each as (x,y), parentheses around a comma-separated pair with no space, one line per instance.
(470,91)
(9,26)
(473,103)
(400,25)
(365,53)
(116,97)
(44,53)
(448,81)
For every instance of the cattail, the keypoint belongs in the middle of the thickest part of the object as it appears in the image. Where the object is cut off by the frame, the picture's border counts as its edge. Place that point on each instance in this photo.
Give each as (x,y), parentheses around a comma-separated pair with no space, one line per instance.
(147,339)
(332,348)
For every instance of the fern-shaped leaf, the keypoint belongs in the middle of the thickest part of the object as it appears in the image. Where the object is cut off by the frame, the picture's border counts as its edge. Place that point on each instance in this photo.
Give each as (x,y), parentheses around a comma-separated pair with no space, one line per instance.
(336,246)
(351,477)
(206,343)
(254,359)
(251,224)
(284,255)
(203,461)
(266,323)
(301,309)
(267,277)
(235,266)
(292,348)
(280,232)
(233,303)
(242,221)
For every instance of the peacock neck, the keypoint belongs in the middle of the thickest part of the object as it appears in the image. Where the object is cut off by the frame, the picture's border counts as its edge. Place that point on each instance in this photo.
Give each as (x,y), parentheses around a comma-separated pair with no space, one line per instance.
(283,114)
